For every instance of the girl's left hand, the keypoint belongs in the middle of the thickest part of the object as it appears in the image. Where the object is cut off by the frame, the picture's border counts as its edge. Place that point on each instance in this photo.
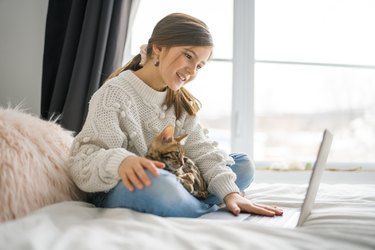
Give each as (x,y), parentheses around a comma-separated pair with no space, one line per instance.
(237,203)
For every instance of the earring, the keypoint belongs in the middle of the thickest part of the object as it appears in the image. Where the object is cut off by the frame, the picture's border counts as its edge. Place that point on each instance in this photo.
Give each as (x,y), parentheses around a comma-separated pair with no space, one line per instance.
(156,62)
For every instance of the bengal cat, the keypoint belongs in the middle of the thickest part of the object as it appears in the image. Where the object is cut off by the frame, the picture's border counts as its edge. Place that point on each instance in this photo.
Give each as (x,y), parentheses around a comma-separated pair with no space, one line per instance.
(168,149)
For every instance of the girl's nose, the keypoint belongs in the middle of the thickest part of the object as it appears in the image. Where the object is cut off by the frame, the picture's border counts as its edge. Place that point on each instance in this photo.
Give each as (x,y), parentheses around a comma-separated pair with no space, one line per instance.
(192,71)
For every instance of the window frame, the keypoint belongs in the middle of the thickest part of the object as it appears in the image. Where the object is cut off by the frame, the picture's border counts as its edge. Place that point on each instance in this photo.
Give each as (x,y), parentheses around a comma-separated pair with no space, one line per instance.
(243,123)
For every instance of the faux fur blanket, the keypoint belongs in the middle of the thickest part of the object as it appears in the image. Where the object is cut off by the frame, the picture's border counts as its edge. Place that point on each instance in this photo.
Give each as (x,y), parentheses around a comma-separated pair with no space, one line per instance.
(33,156)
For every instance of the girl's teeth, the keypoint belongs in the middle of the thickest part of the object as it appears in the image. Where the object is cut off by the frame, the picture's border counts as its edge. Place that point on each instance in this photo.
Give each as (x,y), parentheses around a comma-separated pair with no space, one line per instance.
(181,77)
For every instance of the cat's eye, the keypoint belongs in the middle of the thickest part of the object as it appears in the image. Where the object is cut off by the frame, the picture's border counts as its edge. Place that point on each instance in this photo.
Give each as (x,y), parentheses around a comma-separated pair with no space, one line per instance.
(166,157)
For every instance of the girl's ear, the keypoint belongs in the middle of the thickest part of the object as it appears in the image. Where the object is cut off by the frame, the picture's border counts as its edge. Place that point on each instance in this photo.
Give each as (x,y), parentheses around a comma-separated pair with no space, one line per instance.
(181,139)
(166,135)
(156,49)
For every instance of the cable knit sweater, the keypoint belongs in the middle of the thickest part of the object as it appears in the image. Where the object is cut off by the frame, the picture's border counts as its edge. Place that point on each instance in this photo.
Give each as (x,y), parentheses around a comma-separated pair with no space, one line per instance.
(124,115)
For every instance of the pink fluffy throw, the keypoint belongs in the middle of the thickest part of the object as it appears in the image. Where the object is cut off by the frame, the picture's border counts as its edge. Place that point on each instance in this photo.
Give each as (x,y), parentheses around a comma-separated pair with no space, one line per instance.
(33,164)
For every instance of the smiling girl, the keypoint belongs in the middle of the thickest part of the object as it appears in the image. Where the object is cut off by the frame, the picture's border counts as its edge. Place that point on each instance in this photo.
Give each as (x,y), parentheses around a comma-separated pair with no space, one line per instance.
(136,103)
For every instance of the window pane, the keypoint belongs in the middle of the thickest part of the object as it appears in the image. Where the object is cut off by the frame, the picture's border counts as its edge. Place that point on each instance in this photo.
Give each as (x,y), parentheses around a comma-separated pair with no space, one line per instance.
(294,103)
(217,14)
(214,91)
(324,31)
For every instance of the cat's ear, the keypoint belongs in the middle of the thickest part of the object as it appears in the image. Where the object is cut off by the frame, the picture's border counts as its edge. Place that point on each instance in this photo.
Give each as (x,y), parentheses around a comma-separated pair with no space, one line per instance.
(167,134)
(181,139)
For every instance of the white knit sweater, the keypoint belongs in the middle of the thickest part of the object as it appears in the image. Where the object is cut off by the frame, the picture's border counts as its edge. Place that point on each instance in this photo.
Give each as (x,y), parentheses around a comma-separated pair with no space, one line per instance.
(124,115)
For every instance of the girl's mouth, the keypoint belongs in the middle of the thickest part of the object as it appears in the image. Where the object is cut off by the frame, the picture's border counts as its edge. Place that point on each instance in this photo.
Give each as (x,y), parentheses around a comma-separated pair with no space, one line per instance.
(182,77)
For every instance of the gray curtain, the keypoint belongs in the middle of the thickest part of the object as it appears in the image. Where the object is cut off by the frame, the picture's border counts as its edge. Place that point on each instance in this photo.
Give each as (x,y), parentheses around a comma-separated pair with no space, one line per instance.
(84,43)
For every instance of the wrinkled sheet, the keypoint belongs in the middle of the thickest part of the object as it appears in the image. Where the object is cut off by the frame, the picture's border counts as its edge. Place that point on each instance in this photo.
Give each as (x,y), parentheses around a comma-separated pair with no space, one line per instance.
(343,218)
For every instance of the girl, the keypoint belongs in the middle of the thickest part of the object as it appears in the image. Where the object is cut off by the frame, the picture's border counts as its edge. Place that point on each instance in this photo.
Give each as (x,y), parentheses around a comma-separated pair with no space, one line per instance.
(135,104)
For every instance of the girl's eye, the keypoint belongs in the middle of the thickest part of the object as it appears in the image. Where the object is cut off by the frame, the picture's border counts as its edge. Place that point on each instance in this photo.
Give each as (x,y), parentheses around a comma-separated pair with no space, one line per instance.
(188,56)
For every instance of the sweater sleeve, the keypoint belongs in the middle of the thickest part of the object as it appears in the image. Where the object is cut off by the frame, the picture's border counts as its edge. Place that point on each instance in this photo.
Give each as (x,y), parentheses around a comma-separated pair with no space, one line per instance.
(98,150)
(211,161)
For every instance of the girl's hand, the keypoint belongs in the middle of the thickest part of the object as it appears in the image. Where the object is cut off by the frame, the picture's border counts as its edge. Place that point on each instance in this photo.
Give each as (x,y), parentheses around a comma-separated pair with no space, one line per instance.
(237,203)
(132,171)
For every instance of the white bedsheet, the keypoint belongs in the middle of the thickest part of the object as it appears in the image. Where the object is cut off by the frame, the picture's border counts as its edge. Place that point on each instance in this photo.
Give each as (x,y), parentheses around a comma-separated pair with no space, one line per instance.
(343,218)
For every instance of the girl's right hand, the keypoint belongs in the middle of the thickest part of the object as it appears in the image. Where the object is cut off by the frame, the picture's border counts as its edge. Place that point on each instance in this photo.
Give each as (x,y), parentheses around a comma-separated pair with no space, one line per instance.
(132,171)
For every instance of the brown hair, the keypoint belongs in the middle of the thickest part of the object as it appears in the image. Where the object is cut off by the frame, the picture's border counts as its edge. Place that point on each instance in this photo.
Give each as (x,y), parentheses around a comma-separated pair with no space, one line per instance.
(176,29)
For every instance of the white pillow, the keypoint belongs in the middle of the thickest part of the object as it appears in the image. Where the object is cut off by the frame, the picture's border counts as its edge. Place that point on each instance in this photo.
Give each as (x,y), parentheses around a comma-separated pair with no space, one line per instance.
(33,169)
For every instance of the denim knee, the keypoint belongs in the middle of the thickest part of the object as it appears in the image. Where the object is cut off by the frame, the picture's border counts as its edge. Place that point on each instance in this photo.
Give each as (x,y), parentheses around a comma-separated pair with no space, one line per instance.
(164,197)
(244,168)
(157,192)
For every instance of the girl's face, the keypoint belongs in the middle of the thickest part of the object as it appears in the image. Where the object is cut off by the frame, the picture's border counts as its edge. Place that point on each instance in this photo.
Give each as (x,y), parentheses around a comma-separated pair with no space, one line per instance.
(180,65)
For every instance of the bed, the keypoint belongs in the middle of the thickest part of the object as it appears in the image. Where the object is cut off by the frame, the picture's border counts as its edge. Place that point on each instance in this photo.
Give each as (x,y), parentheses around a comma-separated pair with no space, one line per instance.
(343,218)
(42,209)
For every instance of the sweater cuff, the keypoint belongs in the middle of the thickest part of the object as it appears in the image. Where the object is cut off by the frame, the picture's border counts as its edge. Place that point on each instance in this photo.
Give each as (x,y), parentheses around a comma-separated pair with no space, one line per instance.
(115,160)
(225,187)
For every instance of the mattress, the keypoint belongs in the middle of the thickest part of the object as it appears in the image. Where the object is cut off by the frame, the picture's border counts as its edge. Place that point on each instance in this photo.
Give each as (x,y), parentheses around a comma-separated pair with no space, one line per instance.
(343,217)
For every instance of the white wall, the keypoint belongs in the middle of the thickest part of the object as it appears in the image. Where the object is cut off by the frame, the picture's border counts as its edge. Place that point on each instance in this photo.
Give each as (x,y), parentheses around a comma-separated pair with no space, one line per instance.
(22,25)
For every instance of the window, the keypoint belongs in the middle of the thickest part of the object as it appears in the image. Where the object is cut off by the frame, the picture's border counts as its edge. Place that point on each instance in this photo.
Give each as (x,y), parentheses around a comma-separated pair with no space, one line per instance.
(295,67)
(314,69)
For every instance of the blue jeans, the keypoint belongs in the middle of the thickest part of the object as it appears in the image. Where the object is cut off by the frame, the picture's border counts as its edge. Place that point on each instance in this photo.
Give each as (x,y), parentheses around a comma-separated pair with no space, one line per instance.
(167,197)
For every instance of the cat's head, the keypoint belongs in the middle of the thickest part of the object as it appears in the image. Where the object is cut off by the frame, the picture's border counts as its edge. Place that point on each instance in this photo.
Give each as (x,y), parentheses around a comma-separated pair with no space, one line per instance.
(168,149)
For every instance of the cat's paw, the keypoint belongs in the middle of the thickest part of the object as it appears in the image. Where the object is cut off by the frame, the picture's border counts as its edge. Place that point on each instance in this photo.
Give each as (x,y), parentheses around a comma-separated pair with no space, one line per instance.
(188,185)
(190,188)
(201,194)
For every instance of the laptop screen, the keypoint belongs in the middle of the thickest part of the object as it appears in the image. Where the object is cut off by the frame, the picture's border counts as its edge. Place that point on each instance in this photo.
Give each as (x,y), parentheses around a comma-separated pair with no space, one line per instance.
(316,176)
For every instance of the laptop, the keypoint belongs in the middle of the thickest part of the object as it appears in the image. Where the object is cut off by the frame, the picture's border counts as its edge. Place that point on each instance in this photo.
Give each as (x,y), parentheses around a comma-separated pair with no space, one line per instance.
(292,217)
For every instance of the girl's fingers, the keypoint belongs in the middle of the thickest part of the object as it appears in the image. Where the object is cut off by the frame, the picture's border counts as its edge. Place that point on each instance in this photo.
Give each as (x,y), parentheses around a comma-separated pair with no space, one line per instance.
(136,177)
(262,211)
(276,210)
(237,207)
(143,176)
(236,203)
(159,164)
(127,184)
(132,176)
(153,166)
